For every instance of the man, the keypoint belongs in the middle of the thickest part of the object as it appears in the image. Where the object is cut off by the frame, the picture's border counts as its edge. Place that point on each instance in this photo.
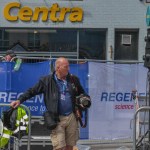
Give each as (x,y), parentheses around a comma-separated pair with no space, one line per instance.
(59,94)
(9,56)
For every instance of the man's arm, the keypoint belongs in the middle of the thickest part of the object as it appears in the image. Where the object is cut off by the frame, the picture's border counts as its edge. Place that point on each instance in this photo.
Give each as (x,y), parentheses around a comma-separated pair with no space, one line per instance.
(80,89)
(31,92)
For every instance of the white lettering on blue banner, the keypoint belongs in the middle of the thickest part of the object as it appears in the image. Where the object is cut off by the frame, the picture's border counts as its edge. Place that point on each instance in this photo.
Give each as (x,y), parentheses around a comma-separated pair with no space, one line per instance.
(12,96)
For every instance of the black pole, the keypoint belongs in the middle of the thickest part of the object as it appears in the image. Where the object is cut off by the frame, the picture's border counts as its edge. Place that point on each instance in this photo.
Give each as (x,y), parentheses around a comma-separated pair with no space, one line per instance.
(147,65)
(148,75)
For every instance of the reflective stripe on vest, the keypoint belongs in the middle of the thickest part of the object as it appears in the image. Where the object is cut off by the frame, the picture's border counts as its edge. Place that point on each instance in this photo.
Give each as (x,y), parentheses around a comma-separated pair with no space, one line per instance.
(20,128)
(25,117)
(6,136)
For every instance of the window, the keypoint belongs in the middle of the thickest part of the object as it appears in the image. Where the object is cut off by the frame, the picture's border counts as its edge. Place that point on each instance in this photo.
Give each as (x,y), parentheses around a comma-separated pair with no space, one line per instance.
(4,40)
(126,45)
(147,1)
(63,41)
(33,41)
(92,44)
(73,43)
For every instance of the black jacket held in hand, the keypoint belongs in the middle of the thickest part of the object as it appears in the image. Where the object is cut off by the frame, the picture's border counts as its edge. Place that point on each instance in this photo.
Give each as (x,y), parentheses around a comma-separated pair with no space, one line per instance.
(47,85)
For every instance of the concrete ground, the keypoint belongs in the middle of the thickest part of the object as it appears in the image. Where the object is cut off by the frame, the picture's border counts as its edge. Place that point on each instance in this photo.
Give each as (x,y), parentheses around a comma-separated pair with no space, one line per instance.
(87,146)
(121,144)
(111,147)
(43,142)
(91,147)
(107,146)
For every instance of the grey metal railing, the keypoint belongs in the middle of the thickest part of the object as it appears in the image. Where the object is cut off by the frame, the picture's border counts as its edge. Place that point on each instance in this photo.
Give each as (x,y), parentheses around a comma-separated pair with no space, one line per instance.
(145,108)
(1,57)
(76,60)
(43,54)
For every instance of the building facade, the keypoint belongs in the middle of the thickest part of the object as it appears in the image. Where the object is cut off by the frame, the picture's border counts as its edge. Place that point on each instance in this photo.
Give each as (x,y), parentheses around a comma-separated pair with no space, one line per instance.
(93,29)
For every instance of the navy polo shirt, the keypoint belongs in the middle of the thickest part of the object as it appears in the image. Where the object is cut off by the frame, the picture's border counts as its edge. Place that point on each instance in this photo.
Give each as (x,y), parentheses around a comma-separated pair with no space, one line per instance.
(65,101)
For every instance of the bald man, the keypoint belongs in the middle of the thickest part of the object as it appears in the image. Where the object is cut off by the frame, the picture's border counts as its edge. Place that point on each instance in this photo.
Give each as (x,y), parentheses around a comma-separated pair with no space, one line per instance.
(59,97)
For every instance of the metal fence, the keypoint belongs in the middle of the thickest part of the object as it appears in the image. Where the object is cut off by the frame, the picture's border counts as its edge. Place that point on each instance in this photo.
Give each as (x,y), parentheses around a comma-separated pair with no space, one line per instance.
(31,57)
(143,142)
(45,139)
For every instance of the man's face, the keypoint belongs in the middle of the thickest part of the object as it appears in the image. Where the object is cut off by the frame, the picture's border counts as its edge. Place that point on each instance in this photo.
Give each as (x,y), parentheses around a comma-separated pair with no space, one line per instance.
(8,58)
(64,68)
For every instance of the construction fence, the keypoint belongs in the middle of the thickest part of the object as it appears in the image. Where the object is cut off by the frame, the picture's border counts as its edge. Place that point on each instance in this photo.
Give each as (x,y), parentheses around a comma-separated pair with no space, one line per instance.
(110,85)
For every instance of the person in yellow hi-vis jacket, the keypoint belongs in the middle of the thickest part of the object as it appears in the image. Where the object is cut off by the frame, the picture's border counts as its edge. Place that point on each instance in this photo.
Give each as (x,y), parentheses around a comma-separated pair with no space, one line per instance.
(21,127)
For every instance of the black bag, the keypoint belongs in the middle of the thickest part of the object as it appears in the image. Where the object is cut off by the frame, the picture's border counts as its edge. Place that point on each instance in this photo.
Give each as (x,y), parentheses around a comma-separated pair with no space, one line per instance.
(9,118)
(49,121)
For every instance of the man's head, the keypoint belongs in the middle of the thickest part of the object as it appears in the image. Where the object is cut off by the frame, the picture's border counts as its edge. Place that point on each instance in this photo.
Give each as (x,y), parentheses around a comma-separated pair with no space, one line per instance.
(9,55)
(62,67)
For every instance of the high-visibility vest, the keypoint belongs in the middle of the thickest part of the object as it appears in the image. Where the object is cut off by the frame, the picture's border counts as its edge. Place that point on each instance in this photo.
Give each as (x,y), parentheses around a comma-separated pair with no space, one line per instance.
(21,128)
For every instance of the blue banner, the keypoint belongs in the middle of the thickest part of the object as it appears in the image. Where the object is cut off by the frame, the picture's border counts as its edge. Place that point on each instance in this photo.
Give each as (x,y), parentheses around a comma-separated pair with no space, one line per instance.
(14,83)
(81,71)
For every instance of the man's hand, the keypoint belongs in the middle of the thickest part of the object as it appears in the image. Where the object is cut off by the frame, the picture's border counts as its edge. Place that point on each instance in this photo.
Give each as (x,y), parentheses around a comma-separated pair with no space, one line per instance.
(15,104)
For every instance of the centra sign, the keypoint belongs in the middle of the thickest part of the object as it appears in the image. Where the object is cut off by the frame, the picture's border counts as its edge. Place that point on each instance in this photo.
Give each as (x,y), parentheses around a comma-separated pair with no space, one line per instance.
(14,12)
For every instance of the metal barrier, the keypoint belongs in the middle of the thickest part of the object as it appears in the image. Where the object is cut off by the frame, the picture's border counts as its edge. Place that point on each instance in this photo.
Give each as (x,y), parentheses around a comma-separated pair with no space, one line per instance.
(43,54)
(39,119)
(29,127)
(1,57)
(39,56)
(134,127)
(40,138)
(38,59)
(30,59)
